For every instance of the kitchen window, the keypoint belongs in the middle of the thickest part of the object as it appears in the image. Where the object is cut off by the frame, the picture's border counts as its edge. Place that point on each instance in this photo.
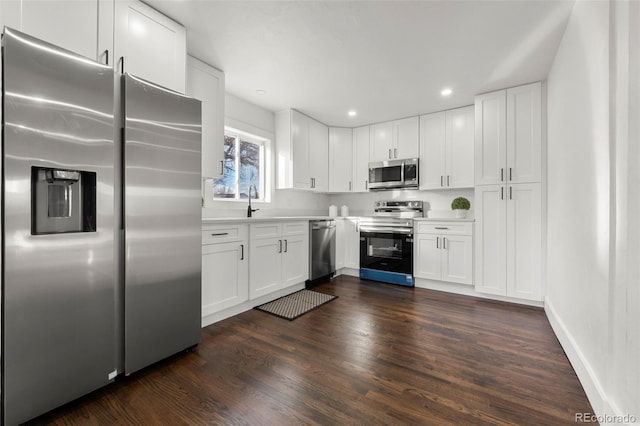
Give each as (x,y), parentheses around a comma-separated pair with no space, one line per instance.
(244,167)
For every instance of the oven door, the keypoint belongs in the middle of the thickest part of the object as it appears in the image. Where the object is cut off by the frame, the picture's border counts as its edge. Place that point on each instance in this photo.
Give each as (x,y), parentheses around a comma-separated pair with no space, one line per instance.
(387,257)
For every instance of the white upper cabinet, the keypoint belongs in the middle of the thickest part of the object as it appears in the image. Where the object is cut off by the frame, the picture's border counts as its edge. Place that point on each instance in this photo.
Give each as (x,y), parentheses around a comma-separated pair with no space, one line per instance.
(524,133)
(508,136)
(318,160)
(340,159)
(84,27)
(151,45)
(207,84)
(361,141)
(302,146)
(433,151)
(398,139)
(460,147)
(446,149)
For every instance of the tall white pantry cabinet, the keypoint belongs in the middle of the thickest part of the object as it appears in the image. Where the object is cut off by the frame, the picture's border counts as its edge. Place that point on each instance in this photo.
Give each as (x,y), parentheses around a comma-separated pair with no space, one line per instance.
(509,149)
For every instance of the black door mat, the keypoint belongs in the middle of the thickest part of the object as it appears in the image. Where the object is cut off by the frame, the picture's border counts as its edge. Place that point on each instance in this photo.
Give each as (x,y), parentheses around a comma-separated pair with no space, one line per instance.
(296,304)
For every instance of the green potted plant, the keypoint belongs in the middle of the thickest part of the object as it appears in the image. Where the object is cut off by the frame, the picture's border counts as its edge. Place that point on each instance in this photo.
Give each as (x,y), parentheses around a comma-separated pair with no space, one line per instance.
(460,206)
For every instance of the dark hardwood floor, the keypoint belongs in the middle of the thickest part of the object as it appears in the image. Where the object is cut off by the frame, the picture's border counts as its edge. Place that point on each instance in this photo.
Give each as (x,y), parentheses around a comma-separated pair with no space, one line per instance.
(379,354)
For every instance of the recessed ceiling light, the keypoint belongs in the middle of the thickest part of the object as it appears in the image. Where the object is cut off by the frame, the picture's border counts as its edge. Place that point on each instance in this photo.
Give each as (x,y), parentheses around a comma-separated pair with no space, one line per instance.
(260,92)
(446,92)
(352,113)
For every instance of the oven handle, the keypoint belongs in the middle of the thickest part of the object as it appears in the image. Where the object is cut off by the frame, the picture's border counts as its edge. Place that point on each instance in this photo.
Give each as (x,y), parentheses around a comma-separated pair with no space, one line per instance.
(386,230)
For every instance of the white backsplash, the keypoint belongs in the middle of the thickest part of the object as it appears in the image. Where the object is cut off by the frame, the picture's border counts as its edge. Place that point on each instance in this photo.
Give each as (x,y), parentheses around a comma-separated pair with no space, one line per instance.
(436,203)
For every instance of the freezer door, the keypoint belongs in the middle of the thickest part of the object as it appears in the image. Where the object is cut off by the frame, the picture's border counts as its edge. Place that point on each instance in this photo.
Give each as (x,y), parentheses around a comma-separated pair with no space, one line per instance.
(162,202)
(58,271)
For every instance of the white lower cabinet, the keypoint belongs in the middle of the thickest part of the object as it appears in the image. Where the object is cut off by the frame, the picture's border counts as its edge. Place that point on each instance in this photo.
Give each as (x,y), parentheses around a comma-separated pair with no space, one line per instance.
(509,240)
(225,267)
(351,243)
(279,256)
(443,251)
(340,243)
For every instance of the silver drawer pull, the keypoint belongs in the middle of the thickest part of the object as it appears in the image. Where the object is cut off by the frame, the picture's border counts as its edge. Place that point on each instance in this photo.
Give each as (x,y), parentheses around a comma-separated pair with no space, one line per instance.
(219,234)
(441,227)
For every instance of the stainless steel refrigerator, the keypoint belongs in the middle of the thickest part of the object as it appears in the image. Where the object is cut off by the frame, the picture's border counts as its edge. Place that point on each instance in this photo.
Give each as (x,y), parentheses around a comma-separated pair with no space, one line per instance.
(100,225)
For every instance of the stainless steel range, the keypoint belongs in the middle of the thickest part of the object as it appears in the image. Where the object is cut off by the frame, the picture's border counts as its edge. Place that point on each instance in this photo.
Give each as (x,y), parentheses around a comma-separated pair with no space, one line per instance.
(386,242)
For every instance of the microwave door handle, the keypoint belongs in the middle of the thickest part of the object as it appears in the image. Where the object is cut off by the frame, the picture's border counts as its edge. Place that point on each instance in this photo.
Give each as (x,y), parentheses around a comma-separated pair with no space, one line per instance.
(402,173)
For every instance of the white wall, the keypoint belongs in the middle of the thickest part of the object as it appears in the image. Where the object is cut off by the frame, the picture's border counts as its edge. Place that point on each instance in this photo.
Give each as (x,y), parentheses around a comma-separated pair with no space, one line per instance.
(585,205)
(253,119)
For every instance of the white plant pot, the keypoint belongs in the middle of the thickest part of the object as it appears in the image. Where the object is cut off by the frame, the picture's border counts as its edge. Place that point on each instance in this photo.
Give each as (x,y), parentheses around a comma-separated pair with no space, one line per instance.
(459,213)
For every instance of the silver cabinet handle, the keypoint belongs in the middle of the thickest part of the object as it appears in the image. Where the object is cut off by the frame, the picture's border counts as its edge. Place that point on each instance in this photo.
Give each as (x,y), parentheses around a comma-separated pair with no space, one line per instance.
(444,243)
(501,174)
(219,234)
(241,251)
(106,56)
(390,153)
(286,246)
(510,173)
(441,227)
(502,192)
(121,64)
(511,192)
(395,152)
(349,185)
(279,246)
(366,184)
(448,183)
(221,167)
(437,242)
(441,180)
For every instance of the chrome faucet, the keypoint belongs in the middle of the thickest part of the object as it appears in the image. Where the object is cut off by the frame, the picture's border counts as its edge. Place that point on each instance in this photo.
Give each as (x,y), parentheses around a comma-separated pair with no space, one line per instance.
(249,209)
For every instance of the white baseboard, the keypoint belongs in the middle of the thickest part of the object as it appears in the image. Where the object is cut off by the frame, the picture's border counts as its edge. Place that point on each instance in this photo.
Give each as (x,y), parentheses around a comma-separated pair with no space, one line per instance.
(592,386)
(248,305)
(469,290)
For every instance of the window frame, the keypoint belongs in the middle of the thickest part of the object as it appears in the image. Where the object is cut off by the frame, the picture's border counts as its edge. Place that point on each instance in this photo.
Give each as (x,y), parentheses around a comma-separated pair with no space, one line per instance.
(263,189)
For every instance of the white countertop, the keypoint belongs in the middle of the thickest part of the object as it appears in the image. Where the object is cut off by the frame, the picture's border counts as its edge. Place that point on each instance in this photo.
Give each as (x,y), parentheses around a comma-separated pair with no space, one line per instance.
(442,219)
(214,220)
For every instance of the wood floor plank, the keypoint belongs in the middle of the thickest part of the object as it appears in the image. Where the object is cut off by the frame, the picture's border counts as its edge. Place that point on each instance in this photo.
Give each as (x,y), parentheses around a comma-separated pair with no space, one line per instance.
(378,355)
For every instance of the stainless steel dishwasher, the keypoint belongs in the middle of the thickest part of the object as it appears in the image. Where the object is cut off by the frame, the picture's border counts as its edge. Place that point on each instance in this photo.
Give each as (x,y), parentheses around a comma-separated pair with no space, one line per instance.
(322,250)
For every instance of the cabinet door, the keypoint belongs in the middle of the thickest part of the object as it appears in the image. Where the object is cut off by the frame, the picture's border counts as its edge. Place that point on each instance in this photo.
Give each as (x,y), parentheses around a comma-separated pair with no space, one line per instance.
(225,276)
(524,244)
(432,151)
(295,259)
(427,254)
(300,146)
(80,26)
(490,138)
(265,266)
(207,84)
(352,244)
(490,239)
(460,146)
(153,46)
(319,155)
(381,146)
(360,159)
(457,259)
(406,140)
(340,159)
(340,243)
(524,133)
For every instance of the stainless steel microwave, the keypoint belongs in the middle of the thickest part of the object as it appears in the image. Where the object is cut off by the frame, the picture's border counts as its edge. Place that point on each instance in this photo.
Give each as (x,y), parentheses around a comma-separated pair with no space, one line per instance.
(393,174)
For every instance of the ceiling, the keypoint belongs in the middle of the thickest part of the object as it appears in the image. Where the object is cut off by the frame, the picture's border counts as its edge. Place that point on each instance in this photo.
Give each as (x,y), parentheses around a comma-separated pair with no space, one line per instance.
(384,59)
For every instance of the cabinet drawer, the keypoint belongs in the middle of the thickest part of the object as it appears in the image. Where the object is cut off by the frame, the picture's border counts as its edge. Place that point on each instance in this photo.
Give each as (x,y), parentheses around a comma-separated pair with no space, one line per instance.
(295,228)
(444,228)
(266,230)
(213,234)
